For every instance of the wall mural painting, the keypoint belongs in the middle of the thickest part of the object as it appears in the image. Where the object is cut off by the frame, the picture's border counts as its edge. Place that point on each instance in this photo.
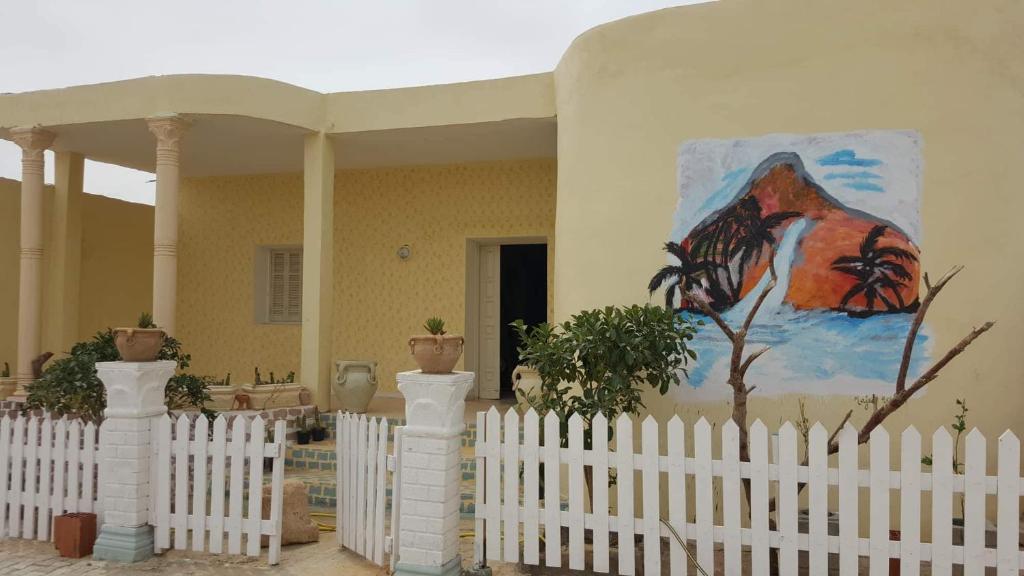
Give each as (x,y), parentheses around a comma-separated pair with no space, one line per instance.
(841,214)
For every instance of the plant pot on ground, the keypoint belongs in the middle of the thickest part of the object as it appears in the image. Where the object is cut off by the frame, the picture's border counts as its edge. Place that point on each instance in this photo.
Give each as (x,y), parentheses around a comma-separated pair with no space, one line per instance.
(302,433)
(74,534)
(139,344)
(438,352)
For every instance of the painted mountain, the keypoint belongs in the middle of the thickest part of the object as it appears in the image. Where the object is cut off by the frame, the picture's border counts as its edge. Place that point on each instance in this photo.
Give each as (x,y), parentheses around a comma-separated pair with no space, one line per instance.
(846,260)
(838,217)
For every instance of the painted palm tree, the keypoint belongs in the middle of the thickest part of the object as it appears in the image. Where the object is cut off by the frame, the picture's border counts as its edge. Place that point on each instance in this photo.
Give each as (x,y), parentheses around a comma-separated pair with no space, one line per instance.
(754,234)
(879,270)
(685,276)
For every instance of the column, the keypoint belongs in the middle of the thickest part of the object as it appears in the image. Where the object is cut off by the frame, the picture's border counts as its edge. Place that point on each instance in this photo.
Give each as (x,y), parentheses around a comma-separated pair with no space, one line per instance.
(431,476)
(168,131)
(64,272)
(135,397)
(317,266)
(33,141)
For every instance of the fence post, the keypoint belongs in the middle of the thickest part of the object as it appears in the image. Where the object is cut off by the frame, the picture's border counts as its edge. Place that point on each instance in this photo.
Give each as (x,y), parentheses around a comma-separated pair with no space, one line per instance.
(135,395)
(428,522)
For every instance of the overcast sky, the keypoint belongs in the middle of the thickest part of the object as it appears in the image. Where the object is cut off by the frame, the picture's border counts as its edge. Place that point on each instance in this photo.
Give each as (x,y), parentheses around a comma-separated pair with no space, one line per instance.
(324,45)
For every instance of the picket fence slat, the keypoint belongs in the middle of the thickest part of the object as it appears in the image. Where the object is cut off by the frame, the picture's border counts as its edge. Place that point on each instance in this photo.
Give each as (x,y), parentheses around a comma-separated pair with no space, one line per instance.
(531,487)
(45,475)
(849,497)
(942,504)
(624,495)
(576,484)
(162,537)
(256,435)
(552,488)
(599,433)
(817,509)
(677,494)
(910,503)
(237,454)
(974,505)
(511,512)
(219,455)
(88,463)
(28,521)
(787,499)
(481,467)
(17,466)
(380,488)
(359,545)
(651,496)
(369,538)
(5,468)
(1008,541)
(181,482)
(731,497)
(760,535)
(74,458)
(277,495)
(202,430)
(493,484)
(879,514)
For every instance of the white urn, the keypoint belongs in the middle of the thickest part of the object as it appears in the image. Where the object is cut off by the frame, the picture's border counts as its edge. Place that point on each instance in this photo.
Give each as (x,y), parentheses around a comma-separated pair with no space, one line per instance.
(355,383)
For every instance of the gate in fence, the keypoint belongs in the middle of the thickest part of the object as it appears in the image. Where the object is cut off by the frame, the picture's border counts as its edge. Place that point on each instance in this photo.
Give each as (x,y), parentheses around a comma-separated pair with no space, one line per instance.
(47,468)
(705,496)
(362,486)
(209,485)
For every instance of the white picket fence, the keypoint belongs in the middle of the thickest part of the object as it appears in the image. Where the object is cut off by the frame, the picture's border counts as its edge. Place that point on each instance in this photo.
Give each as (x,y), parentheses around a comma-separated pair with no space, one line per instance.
(710,510)
(47,468)
(190,464)
(363,465)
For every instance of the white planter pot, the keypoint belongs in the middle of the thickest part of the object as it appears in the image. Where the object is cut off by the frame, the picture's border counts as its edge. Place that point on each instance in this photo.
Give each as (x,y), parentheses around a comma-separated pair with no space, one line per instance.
(222,397)
(270,396)
(524,381)
(355,383)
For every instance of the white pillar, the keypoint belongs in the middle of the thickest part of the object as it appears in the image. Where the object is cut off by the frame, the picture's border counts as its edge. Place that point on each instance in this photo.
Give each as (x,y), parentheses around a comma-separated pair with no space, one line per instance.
(431,477)
(135,397)
(168,131)
(33,141)
(317,267)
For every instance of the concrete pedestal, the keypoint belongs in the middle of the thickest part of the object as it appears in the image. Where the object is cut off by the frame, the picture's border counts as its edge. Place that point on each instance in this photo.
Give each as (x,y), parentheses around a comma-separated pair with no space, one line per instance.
(135,396)
(431,441)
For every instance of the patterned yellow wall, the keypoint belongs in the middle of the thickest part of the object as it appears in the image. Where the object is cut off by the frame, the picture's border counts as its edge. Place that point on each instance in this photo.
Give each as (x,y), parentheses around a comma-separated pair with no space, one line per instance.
(379,299)
(222,221)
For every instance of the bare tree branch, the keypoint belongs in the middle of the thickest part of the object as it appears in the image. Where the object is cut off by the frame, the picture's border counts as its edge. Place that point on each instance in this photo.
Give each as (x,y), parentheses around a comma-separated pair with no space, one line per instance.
(705,307)
(764,293)
(915,327)
(750,360)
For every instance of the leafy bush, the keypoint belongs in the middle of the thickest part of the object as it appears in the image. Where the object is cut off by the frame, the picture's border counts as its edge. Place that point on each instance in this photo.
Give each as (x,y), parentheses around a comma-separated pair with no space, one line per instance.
(70,386)
(610,355)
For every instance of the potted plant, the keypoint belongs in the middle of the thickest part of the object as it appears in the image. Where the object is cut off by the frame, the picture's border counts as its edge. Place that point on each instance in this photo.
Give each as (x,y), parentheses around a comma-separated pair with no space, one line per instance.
(302,434)
(273,393)
(318,431)
(140,344)
(222,393)
(438,352)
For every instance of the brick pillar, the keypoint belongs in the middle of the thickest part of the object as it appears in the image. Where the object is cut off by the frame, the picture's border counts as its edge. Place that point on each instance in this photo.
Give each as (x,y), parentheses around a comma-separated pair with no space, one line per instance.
(428,540)
(135,396)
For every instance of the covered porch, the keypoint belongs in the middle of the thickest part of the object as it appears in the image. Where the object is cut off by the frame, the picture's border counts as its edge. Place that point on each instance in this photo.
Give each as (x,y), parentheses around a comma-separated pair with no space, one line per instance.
(202,135)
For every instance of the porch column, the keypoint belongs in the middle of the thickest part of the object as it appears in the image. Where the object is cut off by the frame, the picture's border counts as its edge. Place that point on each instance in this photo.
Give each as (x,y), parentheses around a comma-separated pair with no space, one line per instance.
(317,266)
(33,141)
(168,131)
(435,406)
(63,274)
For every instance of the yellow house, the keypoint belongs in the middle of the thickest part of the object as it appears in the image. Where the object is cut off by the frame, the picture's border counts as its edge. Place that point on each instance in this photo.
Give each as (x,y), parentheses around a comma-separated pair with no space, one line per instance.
(386,207)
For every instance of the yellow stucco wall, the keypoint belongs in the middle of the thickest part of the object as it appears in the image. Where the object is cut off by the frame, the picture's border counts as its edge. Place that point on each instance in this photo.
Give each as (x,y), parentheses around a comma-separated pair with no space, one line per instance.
(379,300)
(117,269)
(630,92)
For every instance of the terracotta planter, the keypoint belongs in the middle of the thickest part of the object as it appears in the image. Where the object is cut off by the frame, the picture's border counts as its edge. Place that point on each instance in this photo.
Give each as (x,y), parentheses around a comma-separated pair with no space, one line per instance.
(436,354)
(74,534)
(139,344)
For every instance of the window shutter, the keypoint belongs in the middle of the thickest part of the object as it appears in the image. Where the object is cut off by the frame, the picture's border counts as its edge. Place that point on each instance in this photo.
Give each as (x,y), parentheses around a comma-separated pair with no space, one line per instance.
(285,302)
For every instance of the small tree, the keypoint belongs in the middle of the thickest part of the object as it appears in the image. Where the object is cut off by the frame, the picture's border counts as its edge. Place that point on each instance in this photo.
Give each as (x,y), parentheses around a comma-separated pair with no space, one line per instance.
(601,361)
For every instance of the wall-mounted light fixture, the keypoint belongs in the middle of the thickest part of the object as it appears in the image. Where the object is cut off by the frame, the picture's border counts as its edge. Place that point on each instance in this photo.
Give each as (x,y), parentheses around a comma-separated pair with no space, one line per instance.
(404,252)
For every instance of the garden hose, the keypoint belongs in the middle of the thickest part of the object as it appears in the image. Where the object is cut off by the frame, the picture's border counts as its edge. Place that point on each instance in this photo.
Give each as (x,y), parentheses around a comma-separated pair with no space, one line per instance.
(682,545)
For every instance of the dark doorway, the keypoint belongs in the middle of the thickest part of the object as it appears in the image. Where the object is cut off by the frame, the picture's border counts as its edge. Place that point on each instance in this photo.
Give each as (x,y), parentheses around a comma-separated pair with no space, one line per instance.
(524,295)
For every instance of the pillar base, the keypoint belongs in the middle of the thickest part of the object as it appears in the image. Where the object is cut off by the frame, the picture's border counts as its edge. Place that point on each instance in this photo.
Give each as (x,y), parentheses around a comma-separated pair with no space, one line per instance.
(124,544)
(451,568)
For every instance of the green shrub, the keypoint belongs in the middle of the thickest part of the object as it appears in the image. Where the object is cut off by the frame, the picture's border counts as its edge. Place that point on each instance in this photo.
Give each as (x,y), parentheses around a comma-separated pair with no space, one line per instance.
(70,386)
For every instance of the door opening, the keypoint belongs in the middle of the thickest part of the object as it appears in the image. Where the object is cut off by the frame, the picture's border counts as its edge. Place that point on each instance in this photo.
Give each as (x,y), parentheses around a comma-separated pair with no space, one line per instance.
(524,296)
